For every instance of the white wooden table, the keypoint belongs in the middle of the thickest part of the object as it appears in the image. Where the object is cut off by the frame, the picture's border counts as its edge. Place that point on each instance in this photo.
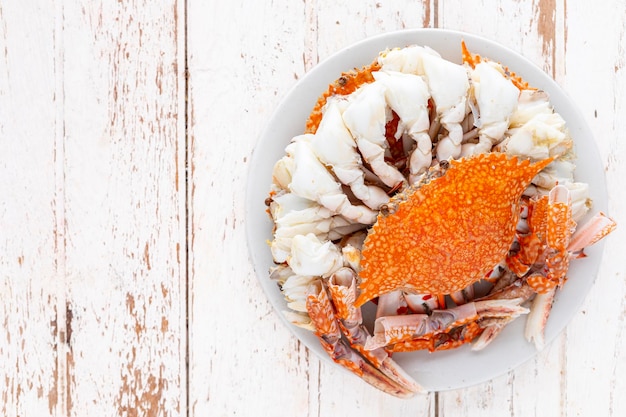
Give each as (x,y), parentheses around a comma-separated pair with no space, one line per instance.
(126,130)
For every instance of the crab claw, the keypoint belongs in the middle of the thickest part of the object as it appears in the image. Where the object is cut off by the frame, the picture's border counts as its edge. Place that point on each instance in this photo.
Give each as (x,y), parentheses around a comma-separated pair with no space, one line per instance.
(327,330)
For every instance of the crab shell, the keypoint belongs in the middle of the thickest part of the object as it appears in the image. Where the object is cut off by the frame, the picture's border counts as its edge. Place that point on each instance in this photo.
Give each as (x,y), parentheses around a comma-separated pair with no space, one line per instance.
(448,231)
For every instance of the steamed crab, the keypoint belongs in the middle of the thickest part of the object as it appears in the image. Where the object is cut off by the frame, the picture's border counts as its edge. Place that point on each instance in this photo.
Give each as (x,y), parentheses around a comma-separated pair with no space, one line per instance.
(418,178)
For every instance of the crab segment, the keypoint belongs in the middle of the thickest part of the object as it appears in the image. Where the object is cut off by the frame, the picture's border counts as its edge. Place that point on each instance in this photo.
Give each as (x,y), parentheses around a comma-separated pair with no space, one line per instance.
(446,234)
(550,229)
(443,329)
(342,288)
(333,318)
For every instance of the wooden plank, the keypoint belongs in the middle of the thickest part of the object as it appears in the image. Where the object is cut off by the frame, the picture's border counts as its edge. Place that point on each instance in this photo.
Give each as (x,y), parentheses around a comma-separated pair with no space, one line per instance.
(29,222)
(243,57)
(124,215)
(596,80)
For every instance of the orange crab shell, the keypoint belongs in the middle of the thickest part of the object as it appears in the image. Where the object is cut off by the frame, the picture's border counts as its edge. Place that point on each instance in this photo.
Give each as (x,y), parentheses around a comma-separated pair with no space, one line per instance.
(448,233)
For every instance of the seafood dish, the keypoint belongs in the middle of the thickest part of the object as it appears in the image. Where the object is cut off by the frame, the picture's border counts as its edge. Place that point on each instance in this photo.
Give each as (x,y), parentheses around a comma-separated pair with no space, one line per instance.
(440,194)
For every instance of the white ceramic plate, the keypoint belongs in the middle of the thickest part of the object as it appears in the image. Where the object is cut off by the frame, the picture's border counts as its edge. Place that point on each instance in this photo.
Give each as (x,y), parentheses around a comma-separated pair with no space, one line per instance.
(448,369)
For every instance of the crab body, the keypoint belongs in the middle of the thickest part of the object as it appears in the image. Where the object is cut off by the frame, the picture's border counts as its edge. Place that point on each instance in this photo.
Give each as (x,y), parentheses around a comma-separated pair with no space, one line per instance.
(442,236)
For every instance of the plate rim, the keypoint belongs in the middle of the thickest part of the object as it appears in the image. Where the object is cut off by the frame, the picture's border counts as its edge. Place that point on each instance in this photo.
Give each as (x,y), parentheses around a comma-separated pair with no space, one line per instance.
(538,78)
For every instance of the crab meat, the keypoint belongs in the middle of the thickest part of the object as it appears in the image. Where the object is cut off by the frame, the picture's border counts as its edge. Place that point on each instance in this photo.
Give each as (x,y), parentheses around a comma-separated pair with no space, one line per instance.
(496,99)
(294,215)
(334,146)
(535,129)
(323,189)
(407,95)
(310,256)
(447,234)
(448,85)
(366,117)
(538,317)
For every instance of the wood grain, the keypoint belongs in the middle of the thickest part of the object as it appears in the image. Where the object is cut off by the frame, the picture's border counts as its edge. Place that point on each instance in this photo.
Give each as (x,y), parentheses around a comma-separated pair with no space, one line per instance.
(126,130)
(237,343)
(29,226)
(95,230)
(124,200)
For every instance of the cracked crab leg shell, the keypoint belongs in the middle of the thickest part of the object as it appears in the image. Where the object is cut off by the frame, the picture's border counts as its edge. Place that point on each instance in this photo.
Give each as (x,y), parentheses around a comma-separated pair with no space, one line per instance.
(421,303)
(560,223)
(492,327)
(396,329)
(327,330)
(558,226)
(490,332)
(342,287)
(390,304)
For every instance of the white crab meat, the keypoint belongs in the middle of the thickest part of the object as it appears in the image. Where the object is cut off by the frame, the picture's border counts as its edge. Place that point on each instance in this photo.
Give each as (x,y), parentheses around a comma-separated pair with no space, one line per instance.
(281,173)
(449,87)
(312,180)
(335,147)
(496,99)
(294,215)
(292,286)
(351,250)
(537,318)
(407,95)
(312,257)
(366,117)
(407,60)
(536,130)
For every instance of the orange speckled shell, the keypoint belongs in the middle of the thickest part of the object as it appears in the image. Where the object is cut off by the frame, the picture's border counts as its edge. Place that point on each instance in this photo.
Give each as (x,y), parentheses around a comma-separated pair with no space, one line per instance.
(448,233)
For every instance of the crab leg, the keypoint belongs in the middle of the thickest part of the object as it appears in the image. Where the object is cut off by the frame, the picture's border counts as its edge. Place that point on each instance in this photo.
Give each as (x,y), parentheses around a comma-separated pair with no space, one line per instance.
(556,220)
(493,326)
(464,296)
(327,330)
(538,317)
(421,303)
(595,229)
(490,331)
(342,287)
(389,331)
